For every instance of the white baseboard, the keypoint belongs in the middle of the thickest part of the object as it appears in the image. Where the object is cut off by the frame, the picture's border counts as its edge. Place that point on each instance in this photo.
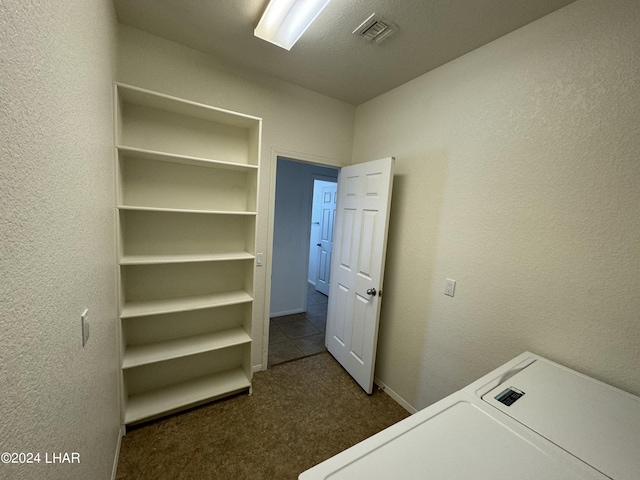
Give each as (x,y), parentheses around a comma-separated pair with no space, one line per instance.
(287,312)
(256,368)
(114,471)
(401,401)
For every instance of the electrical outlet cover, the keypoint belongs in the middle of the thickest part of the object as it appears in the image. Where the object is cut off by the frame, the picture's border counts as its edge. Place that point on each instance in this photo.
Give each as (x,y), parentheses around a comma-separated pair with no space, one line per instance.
(450,287)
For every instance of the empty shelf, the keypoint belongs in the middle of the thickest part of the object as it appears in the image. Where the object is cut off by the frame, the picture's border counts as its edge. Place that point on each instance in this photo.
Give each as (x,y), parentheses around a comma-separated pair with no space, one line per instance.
(183,258)
(168,103)
(182,304)
(183,210)
(154,403)
(138,355)
(183,159)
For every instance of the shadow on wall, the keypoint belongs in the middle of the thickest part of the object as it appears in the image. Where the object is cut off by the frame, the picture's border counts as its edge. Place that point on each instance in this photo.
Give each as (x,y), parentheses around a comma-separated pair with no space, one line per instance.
(416,206)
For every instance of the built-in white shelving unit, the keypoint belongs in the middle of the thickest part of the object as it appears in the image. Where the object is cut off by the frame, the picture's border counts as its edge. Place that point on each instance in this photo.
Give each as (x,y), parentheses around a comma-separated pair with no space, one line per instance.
(187,189)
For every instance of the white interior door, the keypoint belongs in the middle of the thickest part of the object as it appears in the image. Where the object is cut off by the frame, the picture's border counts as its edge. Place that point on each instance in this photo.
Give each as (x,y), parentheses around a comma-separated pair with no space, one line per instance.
(361,225)
(326,238)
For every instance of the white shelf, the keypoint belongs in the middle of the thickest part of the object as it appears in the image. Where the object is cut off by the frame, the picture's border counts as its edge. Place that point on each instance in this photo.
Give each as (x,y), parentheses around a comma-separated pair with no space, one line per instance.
(183,159)
(183,304)
(183,258)
(160,101)
(183,210)
(147,405)
(187,178)
(138,355)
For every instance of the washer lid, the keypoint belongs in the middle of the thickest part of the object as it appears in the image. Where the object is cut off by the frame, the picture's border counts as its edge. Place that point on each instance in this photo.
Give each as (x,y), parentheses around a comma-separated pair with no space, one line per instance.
(591,420)
(451,440)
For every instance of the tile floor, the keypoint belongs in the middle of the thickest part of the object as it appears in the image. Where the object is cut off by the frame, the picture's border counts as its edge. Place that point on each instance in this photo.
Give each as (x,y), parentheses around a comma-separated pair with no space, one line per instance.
(299,335)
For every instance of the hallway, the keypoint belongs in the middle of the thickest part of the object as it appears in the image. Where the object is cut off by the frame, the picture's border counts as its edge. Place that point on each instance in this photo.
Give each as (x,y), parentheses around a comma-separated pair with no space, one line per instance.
(299,335)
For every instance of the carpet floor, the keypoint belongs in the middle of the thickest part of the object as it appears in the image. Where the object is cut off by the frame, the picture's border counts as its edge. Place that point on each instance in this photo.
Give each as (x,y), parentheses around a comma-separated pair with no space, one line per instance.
(300,413)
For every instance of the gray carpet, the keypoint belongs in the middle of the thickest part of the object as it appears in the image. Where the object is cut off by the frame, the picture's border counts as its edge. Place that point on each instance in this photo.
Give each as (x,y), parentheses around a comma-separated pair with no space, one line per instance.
(300,414)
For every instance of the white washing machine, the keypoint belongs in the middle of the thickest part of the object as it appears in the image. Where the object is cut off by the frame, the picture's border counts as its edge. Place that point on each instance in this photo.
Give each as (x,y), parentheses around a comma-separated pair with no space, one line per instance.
(530,419)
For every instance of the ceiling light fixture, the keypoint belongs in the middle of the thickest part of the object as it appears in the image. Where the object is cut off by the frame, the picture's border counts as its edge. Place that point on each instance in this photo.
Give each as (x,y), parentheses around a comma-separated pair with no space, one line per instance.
(284,21)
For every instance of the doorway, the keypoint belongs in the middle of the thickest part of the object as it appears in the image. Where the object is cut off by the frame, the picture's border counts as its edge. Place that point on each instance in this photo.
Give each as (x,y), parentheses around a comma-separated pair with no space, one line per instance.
(298,312)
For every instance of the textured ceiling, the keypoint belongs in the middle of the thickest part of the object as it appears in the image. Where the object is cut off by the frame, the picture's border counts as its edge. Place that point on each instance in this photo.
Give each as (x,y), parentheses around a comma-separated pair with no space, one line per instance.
(328,58)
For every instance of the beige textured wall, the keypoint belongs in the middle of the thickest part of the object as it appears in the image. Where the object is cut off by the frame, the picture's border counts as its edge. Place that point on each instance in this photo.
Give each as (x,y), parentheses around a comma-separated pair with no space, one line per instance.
(518,175)
(57,64)
(295,120)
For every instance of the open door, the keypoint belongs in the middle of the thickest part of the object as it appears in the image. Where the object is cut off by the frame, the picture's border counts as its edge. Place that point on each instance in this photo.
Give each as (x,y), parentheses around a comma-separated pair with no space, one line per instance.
(360,241)
(326,238)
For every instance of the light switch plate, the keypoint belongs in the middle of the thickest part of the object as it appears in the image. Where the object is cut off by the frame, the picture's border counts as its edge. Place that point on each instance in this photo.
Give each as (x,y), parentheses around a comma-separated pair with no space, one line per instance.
(85,327)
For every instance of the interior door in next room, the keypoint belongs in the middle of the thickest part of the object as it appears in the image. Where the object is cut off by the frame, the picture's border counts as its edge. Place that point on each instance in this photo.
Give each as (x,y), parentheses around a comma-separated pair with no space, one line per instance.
(325,244)
(361,225)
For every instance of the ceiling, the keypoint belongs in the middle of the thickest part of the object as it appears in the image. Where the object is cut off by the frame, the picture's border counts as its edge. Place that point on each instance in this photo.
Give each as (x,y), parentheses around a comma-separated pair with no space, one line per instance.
(328,58)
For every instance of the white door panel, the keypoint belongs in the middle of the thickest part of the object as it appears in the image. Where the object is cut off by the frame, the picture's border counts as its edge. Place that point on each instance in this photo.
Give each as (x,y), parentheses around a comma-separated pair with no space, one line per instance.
(346,239)
(358,331)
(364,195)
(341,297)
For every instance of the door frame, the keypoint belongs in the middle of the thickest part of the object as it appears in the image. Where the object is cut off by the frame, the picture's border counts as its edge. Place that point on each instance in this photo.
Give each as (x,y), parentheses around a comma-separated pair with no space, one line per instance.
(273,162)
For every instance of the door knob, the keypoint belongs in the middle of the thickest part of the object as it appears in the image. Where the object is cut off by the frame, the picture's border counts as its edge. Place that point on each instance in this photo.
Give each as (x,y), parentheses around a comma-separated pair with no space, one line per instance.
(371,291)
(319,244)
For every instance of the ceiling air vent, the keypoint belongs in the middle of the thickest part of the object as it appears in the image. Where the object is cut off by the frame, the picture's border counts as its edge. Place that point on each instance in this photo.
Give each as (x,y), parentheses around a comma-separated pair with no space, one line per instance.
(376,28)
